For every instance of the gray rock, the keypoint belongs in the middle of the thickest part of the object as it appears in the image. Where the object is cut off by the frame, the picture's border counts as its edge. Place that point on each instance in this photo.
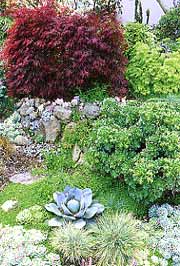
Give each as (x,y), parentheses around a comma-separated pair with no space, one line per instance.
(21,140)
(23,109)
(62,113)
(30,110)
(9,205)
(41,108)
(76,153)
(52,129)
(74,102)
(91,110)
(25,121)
(33,116)
(24,178)
(59,101)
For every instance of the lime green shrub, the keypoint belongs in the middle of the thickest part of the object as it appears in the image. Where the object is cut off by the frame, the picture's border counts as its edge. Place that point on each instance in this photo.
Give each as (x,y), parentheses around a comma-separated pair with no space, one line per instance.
(152,73)
(137,32)
(140,145)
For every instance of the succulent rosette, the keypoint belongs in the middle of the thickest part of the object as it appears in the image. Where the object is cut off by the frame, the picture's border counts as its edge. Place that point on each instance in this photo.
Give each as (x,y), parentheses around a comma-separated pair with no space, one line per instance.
(75,205)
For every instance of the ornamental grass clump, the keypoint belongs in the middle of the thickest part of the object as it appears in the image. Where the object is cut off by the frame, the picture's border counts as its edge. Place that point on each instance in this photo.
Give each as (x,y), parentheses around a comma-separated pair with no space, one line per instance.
(72,243)
(117,240)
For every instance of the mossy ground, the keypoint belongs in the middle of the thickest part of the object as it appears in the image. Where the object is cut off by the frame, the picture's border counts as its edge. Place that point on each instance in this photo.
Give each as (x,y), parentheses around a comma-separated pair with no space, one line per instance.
(112,195)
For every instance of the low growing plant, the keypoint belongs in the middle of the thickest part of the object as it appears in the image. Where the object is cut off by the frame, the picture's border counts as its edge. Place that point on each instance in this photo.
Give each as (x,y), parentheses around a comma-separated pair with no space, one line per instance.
(74,205)
(32,215)
(117,240)
(72,243)
(25,247)
(166,240)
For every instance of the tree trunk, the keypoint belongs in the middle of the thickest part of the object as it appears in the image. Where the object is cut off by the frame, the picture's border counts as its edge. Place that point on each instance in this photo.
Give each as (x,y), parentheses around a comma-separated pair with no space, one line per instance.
(162,6)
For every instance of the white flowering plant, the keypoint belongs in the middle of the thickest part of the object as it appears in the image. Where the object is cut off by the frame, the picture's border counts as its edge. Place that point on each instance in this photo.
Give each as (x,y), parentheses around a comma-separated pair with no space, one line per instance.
(166,241)
(25,248)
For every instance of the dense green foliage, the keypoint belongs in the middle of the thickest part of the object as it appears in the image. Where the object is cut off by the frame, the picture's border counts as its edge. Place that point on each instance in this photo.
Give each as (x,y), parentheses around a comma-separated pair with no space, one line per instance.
(139,145)
(169,25)
(5,24)
(6,104)
(151,72)
(137,32)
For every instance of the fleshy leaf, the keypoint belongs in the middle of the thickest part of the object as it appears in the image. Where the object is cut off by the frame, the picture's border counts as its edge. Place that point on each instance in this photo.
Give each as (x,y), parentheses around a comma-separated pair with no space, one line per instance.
(59,198)
(66,210)
(99,206)
(78,194)
(80,223)
(52,207)
(73,205)
(55,222)
(67,189)
(90,212)
(88,197)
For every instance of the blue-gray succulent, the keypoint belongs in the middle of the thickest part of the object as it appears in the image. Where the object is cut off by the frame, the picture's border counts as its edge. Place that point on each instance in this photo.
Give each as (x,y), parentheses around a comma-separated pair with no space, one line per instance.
(75,205)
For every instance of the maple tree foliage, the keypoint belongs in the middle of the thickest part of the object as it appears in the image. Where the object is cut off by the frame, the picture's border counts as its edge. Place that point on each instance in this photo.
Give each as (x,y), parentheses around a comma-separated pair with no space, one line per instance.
(49,54)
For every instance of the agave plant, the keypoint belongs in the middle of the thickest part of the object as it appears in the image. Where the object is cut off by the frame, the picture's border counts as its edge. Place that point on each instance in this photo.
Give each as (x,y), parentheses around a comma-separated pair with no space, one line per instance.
(74,205)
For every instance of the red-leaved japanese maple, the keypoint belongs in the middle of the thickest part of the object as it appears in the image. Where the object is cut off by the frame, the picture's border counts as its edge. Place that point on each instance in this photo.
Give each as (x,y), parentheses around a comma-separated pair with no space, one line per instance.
(50,54)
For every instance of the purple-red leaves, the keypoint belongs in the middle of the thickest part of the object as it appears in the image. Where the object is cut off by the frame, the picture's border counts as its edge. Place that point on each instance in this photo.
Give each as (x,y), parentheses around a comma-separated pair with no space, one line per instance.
(49,54)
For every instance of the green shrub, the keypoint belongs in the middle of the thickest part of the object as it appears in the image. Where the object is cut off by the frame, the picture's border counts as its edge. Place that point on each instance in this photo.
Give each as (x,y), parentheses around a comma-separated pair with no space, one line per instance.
(151,73)
(139,145)
(73,244)
(117,240)
(5,24)
(169,25)
(6,103)
(137,32)
(97,92)
(169,45)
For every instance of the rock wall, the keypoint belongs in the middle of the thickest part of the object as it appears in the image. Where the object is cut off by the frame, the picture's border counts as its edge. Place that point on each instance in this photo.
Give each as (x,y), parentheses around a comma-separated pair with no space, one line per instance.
(40,120)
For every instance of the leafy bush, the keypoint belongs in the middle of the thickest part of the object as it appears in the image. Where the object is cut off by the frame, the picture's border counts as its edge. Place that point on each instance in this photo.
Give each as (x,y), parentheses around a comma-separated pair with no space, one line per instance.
(169,25)
(137,32)
(73,244)
(139,145)
(50,55)
(169,45)
(148,68)
(6,104)
(117,240)
(97,92)
(5,24)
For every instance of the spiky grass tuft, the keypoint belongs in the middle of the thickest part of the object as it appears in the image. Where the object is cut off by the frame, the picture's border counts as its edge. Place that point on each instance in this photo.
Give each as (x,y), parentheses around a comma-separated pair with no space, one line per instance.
(118,239)
(72,243)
